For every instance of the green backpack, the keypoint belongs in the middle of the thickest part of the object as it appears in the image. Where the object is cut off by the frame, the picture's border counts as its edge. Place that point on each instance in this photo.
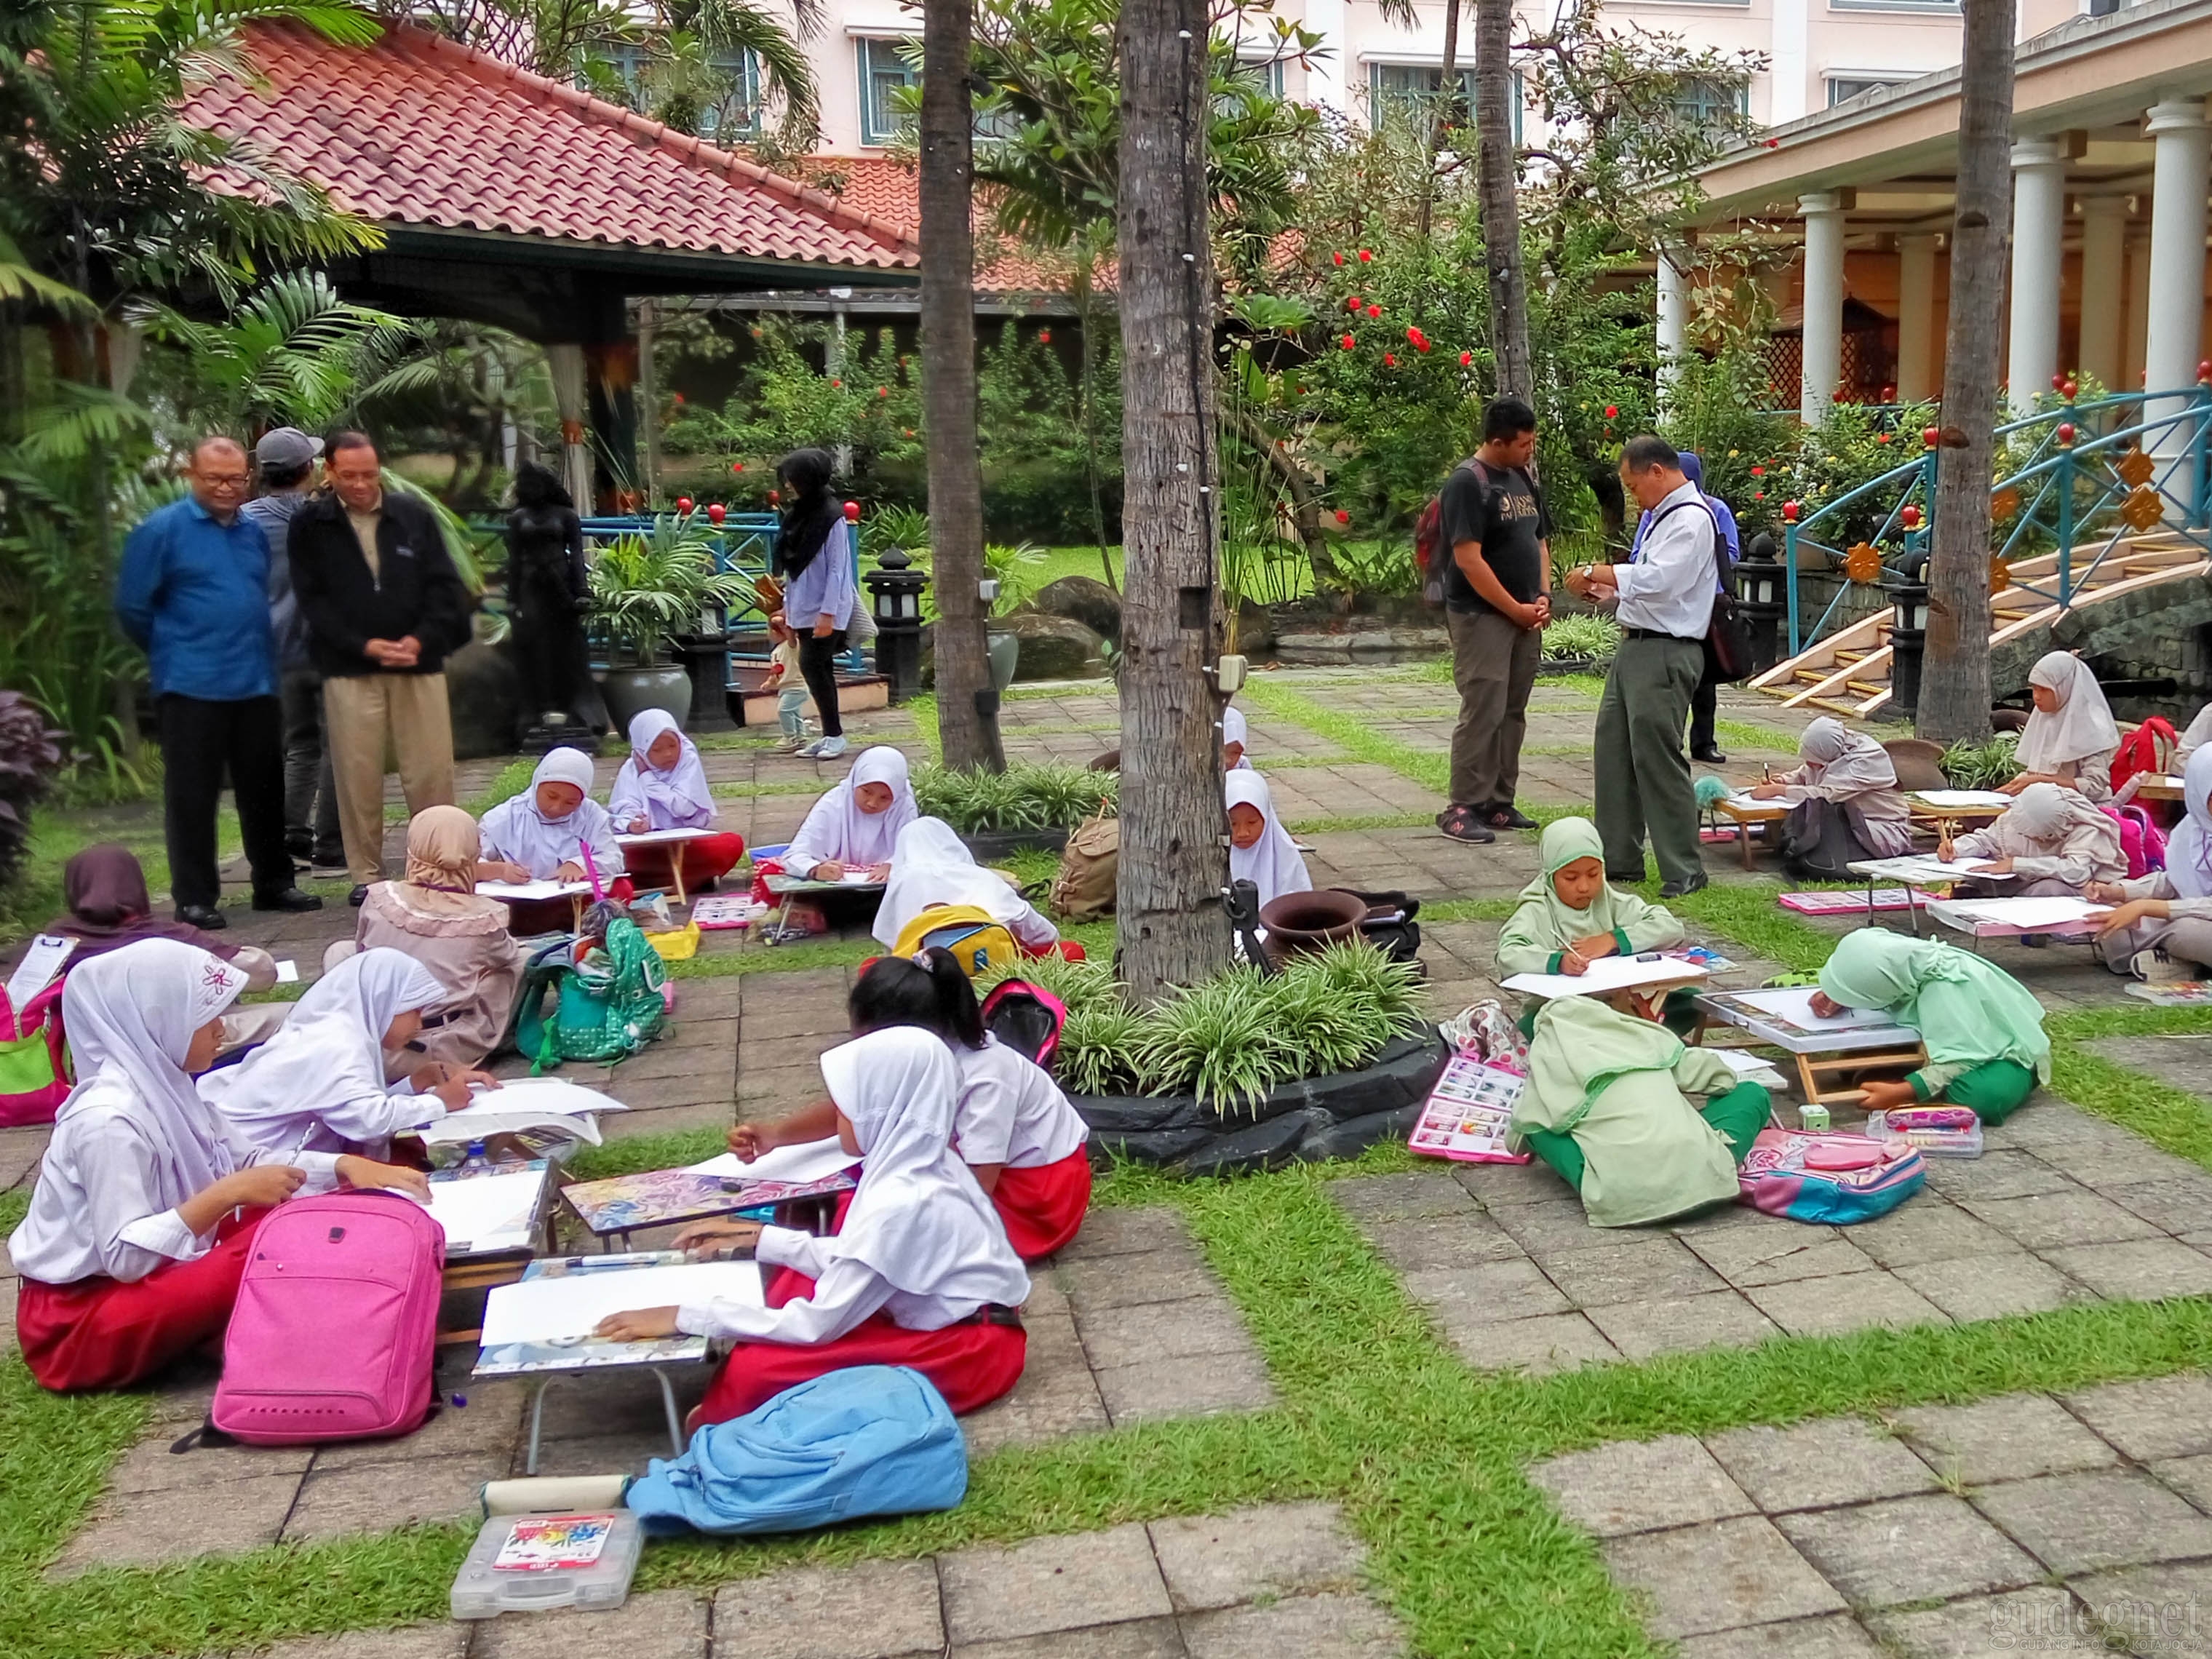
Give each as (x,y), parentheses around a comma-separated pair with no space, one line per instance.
(608,1007)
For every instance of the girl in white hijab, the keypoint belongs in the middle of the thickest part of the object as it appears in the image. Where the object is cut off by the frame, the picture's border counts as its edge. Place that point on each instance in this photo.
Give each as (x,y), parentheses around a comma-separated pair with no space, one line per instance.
(319,1085)
(1233,757)
(540,835)
(146,1204)
(2053,839)
(2161,929)
(2070,736)
(662,785)
(931,866)
(920,1274)
(1261,851)
(856,825)
(1850,770)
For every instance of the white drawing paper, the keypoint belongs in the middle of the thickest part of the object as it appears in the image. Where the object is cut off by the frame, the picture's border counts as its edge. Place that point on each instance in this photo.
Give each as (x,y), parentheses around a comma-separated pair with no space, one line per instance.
(37,969)
(510,892)
(660,837)
(1607,974)
(486,1212)
(1944,799)
(288,972)
(2029,914)
(810,1160)
(556,1310)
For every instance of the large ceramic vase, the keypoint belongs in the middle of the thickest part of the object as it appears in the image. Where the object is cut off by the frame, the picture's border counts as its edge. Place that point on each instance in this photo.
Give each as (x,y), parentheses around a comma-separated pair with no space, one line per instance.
(1005,648)
(631,690)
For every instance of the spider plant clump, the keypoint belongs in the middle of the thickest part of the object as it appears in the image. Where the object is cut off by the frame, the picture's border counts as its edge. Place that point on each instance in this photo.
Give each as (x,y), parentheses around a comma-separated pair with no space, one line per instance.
(1232,1038)
(1988,765)
(1041,796)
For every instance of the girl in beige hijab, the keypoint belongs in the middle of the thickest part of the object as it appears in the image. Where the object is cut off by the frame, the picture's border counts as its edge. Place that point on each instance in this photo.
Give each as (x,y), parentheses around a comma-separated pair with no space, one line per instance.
(2070,736)
(435,916)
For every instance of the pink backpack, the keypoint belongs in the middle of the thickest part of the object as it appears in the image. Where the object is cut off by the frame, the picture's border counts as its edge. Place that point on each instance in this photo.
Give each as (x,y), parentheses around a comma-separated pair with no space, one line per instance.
(1832,1177)
(336,1324)
(2140,839)
(34,1073)
(1027,1018)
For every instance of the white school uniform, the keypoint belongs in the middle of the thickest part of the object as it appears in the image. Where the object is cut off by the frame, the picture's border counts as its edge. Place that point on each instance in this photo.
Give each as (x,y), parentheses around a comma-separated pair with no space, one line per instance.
(319,1085)
(1011,1111)
(678,798)
(835,827)
(922,1240)
(931,865)
(516,832)
(133,1140)
(1273,863)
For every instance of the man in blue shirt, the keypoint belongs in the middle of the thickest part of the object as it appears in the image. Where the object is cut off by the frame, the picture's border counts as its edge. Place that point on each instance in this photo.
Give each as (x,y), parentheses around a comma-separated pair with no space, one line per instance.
(193,593)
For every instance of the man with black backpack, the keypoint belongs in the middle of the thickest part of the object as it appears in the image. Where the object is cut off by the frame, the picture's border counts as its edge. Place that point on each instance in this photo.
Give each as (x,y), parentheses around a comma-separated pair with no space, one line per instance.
(1497,594)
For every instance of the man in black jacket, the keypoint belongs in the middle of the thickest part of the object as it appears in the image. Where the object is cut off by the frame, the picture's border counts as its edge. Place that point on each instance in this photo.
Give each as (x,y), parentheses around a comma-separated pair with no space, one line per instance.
(384,606)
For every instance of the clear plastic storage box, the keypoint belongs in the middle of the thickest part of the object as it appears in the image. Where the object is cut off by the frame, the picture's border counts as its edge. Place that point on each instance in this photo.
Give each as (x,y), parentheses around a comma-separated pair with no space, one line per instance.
(538,1563)
(1933,1131)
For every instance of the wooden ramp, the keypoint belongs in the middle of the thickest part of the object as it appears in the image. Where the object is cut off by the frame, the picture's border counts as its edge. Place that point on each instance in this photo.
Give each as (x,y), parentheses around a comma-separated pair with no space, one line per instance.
(1848,672)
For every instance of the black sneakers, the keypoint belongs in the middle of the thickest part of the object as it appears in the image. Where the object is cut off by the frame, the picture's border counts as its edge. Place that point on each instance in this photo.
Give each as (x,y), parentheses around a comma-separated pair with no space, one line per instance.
(1465,823)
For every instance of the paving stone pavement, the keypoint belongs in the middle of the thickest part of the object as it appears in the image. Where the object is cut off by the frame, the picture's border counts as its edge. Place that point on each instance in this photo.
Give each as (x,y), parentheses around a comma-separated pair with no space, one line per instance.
(1129,1326)
(2063,1207)
(2028,1524)
(1283,1579)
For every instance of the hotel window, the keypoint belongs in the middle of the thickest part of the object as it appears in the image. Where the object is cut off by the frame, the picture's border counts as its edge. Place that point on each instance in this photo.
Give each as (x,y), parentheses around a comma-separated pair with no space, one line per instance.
(883,71)
(1267,71)
(1407,85)
(735,115)
(1841,86)
(1707,103)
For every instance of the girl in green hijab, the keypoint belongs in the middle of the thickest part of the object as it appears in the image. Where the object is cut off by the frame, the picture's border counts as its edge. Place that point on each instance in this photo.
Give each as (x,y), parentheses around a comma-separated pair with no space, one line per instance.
(1570,916)
(1982,1028)
(1608,1104)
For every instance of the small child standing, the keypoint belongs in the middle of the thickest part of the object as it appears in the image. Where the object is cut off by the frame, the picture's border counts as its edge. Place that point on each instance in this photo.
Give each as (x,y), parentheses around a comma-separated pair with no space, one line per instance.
(783,678)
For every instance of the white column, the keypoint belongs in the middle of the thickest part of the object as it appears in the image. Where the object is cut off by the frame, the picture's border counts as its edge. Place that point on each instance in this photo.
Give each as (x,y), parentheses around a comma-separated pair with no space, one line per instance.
(1786,90)
(2175,308)
(1824,305)
(1916,319)
(2038,227)
(564,362)
(2104,287)
(1330,72)
(1674,331)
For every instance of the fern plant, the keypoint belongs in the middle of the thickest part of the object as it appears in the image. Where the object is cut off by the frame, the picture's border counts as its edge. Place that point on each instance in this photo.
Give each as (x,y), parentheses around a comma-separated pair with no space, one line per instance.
(648,586)
(1988,765)
(1039,796)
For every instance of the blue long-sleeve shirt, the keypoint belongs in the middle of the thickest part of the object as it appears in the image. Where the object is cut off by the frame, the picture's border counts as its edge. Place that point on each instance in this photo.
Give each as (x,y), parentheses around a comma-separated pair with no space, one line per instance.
(193,594)
(825,587)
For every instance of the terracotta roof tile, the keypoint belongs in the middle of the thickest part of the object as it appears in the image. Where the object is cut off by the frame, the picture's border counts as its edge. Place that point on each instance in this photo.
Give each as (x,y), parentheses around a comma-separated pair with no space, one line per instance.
(889,190)
(416,130)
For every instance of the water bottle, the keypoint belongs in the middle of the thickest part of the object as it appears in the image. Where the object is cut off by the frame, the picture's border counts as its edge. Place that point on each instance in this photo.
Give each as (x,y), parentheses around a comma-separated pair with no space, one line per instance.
(476,1158)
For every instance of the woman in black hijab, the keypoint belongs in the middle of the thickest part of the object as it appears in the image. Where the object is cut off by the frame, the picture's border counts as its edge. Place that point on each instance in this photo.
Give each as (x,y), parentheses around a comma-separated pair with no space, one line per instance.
(814,556)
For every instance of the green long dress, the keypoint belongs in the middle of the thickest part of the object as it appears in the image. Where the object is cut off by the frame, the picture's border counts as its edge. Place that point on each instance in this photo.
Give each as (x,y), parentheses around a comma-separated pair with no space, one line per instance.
(1605,1105)
(1982,1028)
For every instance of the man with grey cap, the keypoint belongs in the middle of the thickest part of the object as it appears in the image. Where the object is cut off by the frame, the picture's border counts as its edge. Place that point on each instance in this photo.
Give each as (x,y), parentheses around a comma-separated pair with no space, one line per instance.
(284,461)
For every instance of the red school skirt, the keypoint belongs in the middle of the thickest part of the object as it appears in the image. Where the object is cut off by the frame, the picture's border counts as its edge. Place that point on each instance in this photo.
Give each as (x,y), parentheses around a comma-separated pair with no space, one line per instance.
(1043,1206)
(101,1332)
(706,858)
(970,1364)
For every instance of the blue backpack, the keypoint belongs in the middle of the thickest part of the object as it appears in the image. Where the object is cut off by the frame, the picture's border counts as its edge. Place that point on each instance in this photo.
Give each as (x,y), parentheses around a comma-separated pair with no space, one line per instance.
(870,1440)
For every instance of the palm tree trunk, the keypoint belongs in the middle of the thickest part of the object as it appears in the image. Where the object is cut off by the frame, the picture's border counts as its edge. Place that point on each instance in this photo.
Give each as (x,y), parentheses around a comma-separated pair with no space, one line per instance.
(1501,207)
(1172,927)
(967,709)
(1443,113)
(1086,398)
(1955,686)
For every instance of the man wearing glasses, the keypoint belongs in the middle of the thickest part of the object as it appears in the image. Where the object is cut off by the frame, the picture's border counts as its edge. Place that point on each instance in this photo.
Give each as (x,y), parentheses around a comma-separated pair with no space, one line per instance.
(193,594)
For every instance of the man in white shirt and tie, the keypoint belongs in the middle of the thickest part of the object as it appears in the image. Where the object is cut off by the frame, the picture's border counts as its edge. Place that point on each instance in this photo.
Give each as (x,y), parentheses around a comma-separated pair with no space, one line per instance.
(1666,600)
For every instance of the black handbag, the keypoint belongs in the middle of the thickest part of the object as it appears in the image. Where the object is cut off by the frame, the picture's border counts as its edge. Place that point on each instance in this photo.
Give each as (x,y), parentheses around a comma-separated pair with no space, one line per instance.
(1727,641)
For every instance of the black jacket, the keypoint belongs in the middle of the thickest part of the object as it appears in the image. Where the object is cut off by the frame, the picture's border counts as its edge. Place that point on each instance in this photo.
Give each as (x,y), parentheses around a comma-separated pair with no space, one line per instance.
(417,591)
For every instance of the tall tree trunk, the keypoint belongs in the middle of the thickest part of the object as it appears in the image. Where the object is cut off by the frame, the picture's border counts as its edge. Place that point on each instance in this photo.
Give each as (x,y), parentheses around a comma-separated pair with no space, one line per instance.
(1444,113)
(1172,927)
(1501,207)
(1954,684)
(967,710)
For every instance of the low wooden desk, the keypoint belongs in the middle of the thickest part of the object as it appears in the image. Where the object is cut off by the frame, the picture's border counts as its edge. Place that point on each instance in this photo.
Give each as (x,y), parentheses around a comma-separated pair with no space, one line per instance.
(1745,813)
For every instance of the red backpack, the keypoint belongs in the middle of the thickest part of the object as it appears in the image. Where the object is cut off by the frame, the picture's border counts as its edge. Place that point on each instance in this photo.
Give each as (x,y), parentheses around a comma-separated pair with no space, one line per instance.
(2149,748)
(1431,556)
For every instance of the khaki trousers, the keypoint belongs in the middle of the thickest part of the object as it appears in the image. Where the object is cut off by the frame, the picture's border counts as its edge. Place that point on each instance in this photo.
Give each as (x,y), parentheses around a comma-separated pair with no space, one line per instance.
(1494,664)
(367,712)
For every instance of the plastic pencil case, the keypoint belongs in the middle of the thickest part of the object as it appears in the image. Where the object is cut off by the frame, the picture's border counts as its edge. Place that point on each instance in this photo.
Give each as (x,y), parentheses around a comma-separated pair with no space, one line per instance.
(1936,1139)
(484,1590)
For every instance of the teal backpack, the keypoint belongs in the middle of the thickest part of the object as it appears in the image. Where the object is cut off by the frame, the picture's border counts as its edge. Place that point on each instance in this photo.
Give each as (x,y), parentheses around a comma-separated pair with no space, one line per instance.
(607,1007)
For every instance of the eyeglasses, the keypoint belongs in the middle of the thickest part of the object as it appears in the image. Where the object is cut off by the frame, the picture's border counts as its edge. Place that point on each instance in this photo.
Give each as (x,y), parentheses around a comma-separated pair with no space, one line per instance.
(221,480)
